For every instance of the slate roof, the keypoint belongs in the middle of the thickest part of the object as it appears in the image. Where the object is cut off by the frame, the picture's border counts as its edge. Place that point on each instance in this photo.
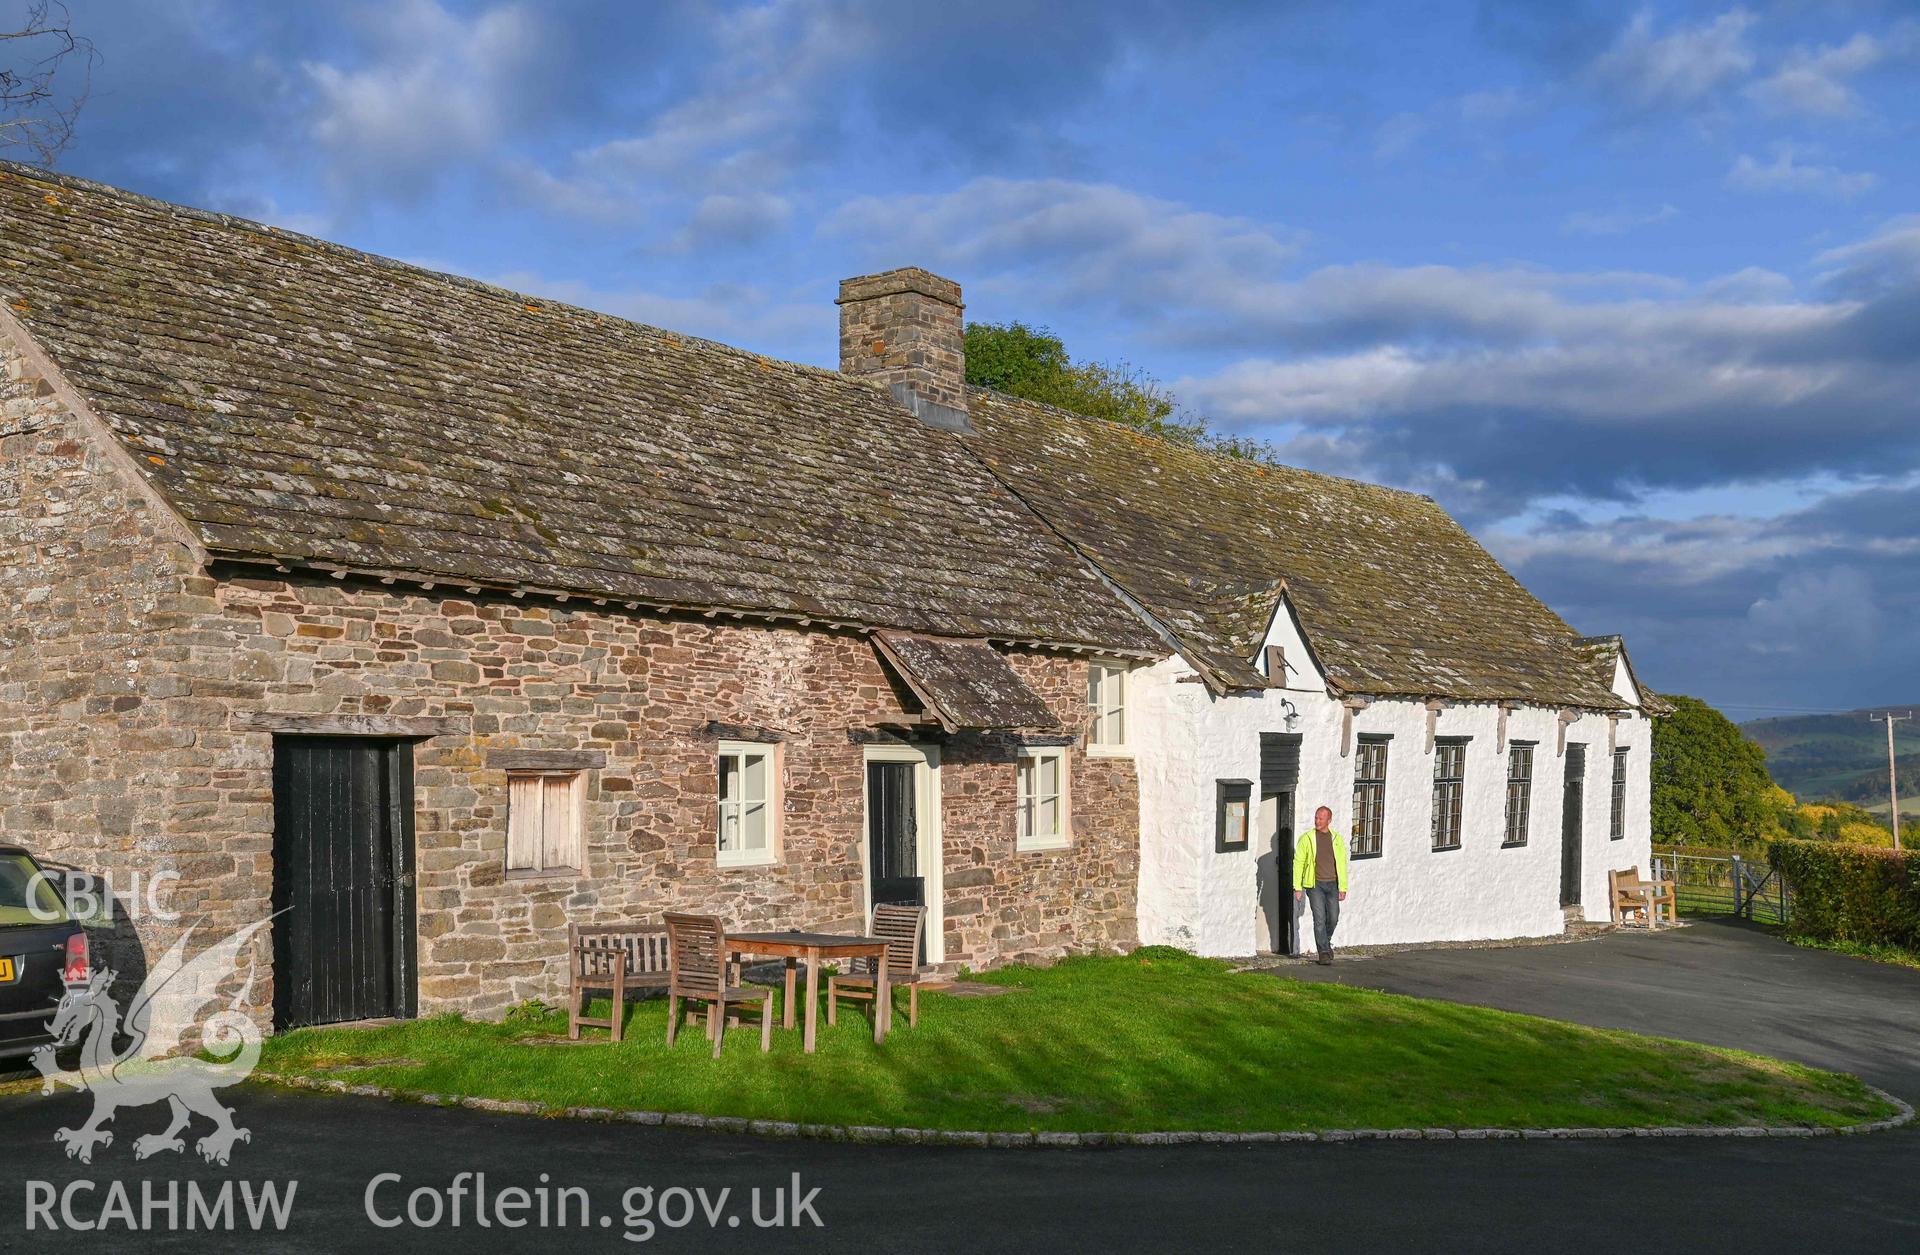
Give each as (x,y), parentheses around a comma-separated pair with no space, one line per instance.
(299,401)
(1605,654)
(964,684)
(1394,597)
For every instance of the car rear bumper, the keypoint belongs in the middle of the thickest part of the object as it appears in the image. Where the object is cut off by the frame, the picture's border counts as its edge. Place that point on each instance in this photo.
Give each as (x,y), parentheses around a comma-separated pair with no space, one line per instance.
(23,1032)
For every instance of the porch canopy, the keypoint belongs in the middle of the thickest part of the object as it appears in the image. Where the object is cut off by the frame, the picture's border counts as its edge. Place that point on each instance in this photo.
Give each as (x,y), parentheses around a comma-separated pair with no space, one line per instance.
(964,683)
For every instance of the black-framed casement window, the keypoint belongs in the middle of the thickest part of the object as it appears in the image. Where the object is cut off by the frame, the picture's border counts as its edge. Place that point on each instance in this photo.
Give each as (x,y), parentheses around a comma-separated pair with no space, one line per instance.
(1519,792)
(1617,822)
(1369,796)
(1449,784)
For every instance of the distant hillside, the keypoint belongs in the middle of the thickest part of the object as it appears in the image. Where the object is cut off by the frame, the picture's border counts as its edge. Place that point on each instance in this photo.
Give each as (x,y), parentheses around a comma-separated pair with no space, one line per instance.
(1842,757)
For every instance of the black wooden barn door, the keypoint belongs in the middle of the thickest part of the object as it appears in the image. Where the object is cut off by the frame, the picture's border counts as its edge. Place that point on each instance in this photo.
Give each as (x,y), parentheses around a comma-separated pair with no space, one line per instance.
(893,835)
(342,879)
(1572,829)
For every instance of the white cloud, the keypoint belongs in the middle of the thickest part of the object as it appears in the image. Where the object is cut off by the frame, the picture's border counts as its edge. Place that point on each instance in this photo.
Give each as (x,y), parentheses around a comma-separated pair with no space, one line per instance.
(1814,81)
(1491,386)
(729,145)
(1398,134)
(1832,611)
(1886,262)
(1678,69)
(1471,117)
(1785,173)
(436,88)
(1750,285)
(1665,554)
(1615,221)
(1090,241)
(722,219)
(770,322)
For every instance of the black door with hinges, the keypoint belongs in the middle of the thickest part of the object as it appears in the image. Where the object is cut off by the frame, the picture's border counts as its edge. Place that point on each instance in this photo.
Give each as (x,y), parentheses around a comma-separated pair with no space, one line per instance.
(343,933)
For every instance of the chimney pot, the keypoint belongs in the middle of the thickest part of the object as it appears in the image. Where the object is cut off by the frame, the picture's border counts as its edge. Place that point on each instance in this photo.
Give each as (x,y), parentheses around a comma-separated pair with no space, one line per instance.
(903,328)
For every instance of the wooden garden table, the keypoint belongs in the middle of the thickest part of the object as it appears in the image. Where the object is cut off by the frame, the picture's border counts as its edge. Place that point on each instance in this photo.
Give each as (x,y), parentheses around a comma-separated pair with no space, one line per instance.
(815,947)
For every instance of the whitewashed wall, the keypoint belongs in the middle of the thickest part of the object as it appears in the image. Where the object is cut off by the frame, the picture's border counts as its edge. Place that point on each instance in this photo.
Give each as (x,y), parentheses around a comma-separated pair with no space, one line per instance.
(1184,739)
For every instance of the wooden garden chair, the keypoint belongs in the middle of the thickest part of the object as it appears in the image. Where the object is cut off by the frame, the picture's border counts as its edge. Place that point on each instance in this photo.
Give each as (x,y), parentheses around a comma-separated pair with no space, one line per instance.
(1630,895)
(614,957)
(900,928)
(1624,893)
(698,970)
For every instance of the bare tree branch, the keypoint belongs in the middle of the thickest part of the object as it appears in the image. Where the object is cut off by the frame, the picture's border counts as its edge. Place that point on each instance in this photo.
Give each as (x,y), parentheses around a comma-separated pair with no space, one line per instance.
(45,73)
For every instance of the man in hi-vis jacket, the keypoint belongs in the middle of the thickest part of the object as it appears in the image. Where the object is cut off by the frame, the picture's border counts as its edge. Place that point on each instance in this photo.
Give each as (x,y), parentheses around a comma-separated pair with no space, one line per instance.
(1320,876)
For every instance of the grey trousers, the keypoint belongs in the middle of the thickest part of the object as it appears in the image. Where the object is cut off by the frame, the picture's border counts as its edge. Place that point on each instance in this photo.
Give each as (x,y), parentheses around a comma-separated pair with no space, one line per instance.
(1324,897)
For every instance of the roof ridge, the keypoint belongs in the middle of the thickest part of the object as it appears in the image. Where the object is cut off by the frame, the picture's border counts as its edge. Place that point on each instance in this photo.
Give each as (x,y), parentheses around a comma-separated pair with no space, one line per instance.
(1226,459)
(35,174)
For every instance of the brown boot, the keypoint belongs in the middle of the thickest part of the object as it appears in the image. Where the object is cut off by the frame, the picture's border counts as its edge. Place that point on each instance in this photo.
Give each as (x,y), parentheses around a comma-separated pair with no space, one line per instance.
(1325,959)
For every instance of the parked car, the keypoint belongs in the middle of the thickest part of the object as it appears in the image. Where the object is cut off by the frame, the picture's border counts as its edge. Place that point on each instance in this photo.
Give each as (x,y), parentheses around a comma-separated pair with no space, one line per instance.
(43,950)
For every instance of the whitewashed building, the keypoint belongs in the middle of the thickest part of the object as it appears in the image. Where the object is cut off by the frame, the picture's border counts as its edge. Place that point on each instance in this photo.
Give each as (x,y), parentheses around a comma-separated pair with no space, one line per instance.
(1342,644)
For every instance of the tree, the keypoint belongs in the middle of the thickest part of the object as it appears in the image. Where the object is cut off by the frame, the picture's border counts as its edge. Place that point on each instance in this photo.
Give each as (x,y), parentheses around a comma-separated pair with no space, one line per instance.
(1033,363)
(1710,783)
(43,82)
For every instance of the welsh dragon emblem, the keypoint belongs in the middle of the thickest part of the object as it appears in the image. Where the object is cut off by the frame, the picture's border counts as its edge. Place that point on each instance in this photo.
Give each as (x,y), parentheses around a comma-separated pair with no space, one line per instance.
(175,994)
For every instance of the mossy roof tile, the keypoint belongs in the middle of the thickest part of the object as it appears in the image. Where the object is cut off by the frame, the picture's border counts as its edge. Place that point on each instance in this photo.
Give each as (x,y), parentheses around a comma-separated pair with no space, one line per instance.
(313,403)
(1394,596)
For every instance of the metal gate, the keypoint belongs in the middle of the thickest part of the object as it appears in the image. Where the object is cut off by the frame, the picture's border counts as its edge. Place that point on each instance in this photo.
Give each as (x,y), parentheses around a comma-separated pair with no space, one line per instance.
(1745,888)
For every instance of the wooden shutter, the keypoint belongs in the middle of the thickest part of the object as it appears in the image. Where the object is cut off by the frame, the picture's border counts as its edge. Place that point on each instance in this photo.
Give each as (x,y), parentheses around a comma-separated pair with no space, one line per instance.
(559,845)
(544,822)
(524,824)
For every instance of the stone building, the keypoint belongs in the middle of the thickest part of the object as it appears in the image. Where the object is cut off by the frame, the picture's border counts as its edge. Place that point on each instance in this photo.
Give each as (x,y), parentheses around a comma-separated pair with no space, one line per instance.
(436,617)
(292,535)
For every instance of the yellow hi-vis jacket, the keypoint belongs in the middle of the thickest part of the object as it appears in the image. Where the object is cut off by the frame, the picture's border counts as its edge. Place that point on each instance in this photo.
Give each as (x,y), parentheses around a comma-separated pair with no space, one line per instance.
(1303,851)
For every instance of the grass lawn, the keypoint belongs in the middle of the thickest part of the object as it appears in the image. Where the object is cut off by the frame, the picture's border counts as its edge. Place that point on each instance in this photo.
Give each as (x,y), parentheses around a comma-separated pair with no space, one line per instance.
(1154,1040)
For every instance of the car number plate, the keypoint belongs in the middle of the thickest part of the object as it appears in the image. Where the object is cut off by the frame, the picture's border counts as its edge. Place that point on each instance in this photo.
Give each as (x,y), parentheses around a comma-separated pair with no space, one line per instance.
(7,971)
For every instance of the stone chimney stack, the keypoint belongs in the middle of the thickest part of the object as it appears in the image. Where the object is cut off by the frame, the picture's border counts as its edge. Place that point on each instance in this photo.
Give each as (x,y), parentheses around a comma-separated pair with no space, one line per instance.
(903,327)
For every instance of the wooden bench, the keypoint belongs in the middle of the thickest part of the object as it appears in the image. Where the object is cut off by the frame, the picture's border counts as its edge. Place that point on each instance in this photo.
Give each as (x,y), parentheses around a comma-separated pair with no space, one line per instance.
(617,957)
(1630,894)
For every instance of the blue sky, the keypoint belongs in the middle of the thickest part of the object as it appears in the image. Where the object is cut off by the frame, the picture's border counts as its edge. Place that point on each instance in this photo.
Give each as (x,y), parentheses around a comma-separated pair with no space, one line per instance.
(1635,292)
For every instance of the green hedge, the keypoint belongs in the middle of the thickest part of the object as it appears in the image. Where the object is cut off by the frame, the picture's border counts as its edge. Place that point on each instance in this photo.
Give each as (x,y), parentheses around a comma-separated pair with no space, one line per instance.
(1851,892)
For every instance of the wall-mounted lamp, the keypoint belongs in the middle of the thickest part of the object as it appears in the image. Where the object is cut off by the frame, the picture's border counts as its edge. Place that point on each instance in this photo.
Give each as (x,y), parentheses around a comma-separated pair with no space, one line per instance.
(1289,713)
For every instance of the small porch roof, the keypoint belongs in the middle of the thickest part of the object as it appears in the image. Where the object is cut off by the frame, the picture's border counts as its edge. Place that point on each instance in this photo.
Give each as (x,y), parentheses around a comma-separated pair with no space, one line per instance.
(964,683)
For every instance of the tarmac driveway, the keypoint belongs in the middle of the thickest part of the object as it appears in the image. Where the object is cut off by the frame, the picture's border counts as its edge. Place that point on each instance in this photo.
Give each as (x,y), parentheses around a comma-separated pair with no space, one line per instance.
(1719,982)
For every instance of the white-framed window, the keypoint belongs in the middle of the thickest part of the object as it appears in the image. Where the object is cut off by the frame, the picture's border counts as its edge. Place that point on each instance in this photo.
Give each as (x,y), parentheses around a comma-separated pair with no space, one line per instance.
(546,822)
(1106,707)
(1041,789)
(749,797)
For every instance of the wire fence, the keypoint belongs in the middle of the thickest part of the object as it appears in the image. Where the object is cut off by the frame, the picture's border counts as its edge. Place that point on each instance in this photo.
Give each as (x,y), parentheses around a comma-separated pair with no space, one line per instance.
(1731,885)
